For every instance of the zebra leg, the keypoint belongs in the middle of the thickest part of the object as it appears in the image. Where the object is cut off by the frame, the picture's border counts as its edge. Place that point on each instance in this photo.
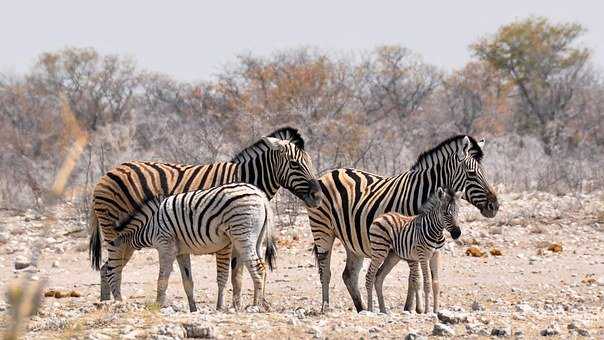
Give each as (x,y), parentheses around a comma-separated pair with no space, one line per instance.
(257,271)
(184,263)
(223,257)
(434,261)
(105,288)
(391,260)
(413,299)
(425,264)
(323,249)
(117,259)
(236,278)
(167,255)
(376,260)
(354,263)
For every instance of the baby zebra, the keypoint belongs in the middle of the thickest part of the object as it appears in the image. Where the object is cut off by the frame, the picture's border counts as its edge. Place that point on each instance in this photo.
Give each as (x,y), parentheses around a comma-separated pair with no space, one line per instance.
(232,217)
(414,239)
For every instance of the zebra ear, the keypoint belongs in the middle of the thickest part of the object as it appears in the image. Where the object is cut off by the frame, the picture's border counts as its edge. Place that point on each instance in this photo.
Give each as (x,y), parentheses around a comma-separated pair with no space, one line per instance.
(465,148)
(274,143)
(481,143)
(440,193)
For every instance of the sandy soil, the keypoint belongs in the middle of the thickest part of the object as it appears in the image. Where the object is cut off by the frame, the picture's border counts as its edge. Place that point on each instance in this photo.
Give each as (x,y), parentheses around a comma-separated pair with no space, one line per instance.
(527,291)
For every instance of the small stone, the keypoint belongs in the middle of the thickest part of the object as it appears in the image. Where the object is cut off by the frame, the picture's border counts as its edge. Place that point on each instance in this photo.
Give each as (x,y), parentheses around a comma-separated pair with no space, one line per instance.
(443,330)
(300,313)
(501,331)
(496,252)
(199,331)
(415,336)
(367,313)
(555,247)
(4,237)
(252,309)
(21,263)
(578,327)
(477,329)
(519,334)
(452,318)
(475,251)
(167,310)
(524,308)
(55,264)
(476,306)
(551,330)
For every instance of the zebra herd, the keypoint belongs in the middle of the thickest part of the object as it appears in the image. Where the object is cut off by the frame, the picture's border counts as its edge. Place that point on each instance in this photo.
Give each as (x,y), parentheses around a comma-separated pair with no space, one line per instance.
(223,209)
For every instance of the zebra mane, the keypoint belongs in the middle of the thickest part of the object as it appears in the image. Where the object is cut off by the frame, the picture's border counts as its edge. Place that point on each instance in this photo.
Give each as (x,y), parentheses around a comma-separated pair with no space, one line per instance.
(434,201)
(447,145)
(286,133)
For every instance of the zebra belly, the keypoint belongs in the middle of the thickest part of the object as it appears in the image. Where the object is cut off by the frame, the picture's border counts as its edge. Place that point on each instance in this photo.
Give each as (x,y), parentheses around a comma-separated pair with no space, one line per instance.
(205,248)
(417,253)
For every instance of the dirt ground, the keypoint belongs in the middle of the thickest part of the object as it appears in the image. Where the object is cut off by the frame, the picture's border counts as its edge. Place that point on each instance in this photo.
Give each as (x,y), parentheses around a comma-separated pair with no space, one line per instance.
(528,291)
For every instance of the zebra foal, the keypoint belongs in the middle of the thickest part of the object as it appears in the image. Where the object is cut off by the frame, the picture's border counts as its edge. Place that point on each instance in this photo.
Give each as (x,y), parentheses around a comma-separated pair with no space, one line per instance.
(415,239)
(232,218)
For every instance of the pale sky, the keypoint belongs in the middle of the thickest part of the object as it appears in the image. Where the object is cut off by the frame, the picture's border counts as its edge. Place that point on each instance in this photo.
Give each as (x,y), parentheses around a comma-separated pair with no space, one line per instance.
(193,40)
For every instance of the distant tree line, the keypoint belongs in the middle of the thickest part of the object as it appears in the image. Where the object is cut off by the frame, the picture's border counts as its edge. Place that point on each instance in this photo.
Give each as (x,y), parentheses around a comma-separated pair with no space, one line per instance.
(530,89)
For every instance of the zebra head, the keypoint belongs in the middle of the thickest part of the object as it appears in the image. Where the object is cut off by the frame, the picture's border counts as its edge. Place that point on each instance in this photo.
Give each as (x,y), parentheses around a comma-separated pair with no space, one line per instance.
(295,170)
(449,211)
(443,204)
(471,178)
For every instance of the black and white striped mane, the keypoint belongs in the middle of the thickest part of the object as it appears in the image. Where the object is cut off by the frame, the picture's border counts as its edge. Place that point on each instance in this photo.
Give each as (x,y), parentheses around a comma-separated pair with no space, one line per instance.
(286,133)
(433,201)
(447,147)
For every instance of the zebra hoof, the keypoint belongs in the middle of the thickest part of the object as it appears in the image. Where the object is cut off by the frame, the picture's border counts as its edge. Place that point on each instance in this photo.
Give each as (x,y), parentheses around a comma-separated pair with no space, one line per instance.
(266,306)
(325,308)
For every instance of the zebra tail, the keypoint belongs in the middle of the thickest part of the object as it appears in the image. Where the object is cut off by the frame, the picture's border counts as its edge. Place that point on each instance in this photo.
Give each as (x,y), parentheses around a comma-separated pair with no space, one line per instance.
(95,245)
(270,255)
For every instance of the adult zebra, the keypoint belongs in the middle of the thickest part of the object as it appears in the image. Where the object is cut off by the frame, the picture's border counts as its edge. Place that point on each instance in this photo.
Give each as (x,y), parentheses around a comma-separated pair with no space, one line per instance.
(275,161)
(352,199)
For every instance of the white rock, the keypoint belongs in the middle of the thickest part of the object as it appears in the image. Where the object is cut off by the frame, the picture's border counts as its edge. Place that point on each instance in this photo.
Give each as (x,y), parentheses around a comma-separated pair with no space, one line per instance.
(501,331)
(199,331)
(551,330)
(415,336)
(4,237)
(167,311)
(55,264)
(524,308)
(21,262)
(451,317)
(477,329)
(443,330)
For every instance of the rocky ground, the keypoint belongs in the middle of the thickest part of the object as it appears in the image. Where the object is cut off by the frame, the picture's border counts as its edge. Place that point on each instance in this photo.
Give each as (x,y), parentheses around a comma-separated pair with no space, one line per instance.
(536,269)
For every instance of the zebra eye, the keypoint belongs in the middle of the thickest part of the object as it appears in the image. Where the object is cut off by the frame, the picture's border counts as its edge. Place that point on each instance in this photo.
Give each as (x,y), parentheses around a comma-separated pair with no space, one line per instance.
(471,173)
(294,164)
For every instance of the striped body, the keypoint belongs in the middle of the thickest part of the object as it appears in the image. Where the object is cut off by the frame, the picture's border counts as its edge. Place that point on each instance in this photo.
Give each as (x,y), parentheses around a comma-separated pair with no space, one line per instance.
(278,160)
(352,199)
(414,239)
(230,218)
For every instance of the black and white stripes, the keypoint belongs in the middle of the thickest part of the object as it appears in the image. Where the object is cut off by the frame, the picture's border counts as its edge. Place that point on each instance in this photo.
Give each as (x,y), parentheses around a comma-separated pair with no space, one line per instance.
(275,161)
(352,199)
(233,218)
(415,239)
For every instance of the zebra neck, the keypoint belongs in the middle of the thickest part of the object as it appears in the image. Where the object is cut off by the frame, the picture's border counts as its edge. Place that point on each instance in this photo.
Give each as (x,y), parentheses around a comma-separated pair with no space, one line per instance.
(260,172)
(430,228)
(413,188)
